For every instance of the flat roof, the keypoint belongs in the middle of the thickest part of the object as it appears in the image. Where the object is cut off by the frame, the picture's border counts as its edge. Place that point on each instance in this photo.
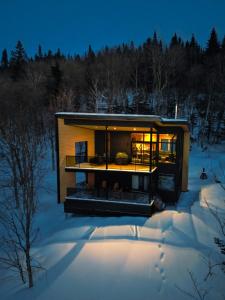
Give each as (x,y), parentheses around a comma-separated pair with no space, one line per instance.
(160,121)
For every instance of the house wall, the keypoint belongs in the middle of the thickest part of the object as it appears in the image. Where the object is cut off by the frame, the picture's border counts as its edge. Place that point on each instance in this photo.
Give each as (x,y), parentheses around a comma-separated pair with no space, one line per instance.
(120,142)
(185,169)
(67,136)
(99,142)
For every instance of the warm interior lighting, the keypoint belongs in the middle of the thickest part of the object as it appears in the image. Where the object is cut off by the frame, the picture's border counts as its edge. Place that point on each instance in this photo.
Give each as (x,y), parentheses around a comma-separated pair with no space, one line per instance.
(134,129)
(114,128)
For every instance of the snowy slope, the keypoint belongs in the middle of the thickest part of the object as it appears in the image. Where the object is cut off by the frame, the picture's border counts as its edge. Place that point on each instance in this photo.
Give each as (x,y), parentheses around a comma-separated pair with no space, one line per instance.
(130,257)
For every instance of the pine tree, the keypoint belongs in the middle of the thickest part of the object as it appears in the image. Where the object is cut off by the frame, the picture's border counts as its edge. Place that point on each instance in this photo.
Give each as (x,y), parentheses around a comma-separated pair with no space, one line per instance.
(174,41)
(193,51)
(155,39)
(90,55)
(213,45)
(57,79)
(4,60)
(18,61)
(223,45)
(59,54)
(49,55)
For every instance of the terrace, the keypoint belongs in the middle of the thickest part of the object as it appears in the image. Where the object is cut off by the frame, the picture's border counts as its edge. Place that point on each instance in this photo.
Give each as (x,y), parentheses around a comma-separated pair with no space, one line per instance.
(99,163)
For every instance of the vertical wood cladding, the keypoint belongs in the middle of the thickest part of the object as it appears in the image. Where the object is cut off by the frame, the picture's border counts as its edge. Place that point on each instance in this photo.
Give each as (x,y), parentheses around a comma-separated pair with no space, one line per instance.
(186,149)
(68,135)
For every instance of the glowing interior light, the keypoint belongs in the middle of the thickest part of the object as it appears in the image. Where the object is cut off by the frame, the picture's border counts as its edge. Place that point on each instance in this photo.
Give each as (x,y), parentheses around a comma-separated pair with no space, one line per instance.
(134,129)
(114,128)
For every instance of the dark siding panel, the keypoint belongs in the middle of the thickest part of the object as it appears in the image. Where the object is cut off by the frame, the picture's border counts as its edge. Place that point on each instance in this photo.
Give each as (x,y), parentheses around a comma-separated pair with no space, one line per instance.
(120,142)
(99,142)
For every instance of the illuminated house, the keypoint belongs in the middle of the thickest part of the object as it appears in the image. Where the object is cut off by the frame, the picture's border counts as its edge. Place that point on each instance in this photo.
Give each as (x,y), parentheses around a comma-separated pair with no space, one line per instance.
(114,163)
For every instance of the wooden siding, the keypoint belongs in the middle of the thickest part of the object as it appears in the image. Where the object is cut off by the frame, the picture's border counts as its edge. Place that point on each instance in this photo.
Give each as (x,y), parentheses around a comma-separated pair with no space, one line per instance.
(68,135)
(186,149)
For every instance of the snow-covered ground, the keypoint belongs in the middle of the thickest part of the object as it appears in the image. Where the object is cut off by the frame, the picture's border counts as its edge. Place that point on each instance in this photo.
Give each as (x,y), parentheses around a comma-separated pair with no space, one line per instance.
(94,258)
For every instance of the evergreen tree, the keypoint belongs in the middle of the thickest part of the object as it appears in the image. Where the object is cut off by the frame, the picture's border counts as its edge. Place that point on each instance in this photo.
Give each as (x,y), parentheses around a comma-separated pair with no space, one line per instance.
(57,79)
(18,61)
(49,55)
(174,41)
(213,45)
(40,54)
(59,54)
(90,55)
(4,60)
(223,45)
(193,51)
(155,39)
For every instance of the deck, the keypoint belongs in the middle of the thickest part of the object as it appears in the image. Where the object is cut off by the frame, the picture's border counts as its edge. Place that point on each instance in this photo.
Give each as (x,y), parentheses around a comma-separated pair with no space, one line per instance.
(111,167)
(106,207)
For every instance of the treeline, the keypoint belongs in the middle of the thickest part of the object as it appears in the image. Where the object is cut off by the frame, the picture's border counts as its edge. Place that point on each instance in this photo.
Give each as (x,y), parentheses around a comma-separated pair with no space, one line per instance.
(149,79)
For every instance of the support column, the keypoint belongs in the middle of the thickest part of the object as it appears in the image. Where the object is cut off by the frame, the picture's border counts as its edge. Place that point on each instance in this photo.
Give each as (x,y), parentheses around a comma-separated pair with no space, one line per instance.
(106,147)
(150,168)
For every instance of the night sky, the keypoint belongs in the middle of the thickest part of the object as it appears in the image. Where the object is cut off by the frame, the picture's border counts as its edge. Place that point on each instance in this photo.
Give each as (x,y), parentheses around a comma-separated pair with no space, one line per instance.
(72,25)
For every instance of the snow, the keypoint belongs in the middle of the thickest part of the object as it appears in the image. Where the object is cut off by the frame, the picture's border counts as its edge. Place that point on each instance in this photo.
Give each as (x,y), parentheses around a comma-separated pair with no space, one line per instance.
(150,118)
(93,258)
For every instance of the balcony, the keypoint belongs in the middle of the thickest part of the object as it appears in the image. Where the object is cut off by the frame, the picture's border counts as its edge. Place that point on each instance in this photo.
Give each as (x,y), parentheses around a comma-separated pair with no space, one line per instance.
(108,202)
(111,164)
(108,195)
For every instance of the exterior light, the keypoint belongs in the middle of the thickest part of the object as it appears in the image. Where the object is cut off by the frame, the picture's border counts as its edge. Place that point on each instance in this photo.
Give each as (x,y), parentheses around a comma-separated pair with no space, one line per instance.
(114,128)
(134,129)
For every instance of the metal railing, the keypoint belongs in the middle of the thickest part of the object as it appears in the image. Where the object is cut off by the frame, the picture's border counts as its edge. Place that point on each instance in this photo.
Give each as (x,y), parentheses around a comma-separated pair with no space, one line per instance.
(112,163)
(103,194)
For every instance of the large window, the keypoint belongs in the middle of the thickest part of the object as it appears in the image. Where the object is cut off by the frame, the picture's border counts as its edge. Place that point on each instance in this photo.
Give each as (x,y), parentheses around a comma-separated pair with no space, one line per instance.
(81,179)
(166,182)
(167,148)
(140,146)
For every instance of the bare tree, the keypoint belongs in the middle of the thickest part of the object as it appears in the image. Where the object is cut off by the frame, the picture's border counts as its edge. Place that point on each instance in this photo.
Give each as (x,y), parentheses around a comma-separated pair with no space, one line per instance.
(19,140)
(160,75)
(198,293)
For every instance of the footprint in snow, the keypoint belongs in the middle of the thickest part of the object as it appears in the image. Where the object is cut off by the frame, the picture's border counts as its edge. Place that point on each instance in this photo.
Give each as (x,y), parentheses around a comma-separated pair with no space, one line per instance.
(162,256)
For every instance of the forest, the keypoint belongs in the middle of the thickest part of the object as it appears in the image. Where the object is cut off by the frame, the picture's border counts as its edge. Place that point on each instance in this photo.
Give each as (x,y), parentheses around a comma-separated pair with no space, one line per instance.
(148,79)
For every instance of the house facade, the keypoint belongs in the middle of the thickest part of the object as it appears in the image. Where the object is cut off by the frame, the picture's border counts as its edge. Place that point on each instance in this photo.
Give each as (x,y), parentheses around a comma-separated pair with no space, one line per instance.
(116,163)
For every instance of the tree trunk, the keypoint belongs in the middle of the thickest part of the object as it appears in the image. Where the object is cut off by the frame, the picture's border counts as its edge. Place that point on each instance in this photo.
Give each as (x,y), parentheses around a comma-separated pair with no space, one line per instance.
(29,269)
(22,274)
(52,153)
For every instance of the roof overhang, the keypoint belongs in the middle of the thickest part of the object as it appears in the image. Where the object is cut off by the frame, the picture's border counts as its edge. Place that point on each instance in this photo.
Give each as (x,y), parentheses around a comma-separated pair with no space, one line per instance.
(139,120)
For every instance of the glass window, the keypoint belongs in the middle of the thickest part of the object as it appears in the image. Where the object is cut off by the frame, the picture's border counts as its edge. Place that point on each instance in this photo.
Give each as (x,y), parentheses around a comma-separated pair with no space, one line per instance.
(140,183)
(164,145)
(81,151)
(166,182)
(140,147)
(80,179)
(167,148)
(135,182)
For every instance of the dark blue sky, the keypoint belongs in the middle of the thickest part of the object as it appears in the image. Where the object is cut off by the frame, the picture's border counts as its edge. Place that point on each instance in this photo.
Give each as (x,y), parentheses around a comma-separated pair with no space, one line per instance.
(72,25)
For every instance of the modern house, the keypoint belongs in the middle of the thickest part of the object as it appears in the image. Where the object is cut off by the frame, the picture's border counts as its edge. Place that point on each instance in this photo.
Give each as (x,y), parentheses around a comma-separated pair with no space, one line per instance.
(117,163)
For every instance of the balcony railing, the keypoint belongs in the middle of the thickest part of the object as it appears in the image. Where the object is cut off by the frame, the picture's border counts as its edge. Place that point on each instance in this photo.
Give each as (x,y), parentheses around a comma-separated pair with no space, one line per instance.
(110,195)
(113,163)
